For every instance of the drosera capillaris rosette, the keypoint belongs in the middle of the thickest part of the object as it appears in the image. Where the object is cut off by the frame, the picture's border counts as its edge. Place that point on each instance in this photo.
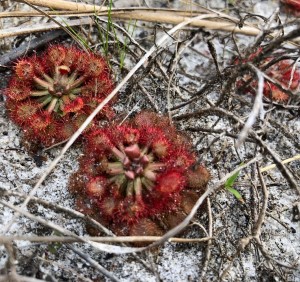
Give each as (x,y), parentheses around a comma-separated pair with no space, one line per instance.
(51,94)
(138,178)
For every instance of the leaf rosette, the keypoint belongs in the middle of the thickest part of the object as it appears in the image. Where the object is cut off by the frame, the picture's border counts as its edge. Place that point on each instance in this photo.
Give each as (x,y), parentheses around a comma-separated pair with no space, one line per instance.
(51,94)
(142,171)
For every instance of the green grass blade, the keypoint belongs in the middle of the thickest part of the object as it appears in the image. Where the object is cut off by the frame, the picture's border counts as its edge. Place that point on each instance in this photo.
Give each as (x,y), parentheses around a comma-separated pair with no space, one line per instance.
(236,194)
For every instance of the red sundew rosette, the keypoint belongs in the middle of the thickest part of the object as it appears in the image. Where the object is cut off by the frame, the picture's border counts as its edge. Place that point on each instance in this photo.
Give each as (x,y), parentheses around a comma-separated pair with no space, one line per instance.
(292,6)
(51,94)
(281,71)
(141,172)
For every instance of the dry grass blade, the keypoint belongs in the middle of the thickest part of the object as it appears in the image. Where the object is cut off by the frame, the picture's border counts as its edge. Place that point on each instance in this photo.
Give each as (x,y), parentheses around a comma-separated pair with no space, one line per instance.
(160,16)
(117,239)
(66,5)
(94,264)
(272,166)
(257,108)
(59,209)
(15,31)
(222,22)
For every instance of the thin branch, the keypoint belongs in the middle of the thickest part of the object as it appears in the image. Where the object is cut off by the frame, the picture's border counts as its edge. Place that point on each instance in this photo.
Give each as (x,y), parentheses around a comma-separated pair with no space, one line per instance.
(192,213)
(255,234)
(209,243)
(15,31)
(117,239)
(94,264)
(59,208)
(222,113)
(258,226)
(20,278)
(257,107)
(35,44)
(272,166)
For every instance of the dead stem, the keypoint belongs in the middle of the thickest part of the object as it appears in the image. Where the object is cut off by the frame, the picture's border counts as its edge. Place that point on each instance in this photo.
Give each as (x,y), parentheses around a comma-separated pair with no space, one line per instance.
(209,243)
(116,239)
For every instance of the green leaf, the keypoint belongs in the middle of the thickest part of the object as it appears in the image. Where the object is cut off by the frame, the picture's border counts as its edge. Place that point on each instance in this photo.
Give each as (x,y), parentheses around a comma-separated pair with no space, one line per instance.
(236,194)
(229,184)
(232,2)
(230,181)
(54,247)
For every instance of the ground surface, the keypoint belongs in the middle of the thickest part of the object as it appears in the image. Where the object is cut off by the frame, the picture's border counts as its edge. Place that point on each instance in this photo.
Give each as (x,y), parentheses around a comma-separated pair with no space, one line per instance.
(254,240)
